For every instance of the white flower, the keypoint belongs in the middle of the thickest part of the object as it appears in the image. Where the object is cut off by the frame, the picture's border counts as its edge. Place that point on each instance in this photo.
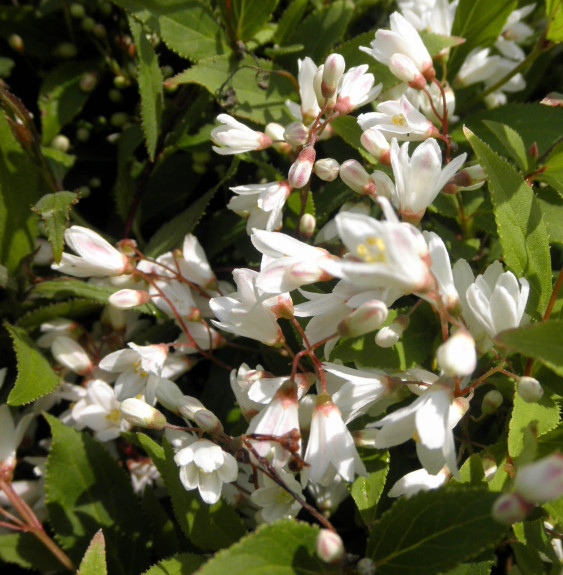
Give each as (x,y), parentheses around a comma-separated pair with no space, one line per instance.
(442,270)
(236,137)
(194,266)
(309,108)
(143,472)
(71,354)
(96,257)
(457,356)
(11,436)
(356,89)
(434,15)
(205,466)
(416,481)
(275,501)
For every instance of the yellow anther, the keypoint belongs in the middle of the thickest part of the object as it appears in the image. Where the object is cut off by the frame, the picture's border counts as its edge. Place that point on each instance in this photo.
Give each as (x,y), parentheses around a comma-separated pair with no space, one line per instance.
(415,436)
(113,415)
(399,120)
(377,242)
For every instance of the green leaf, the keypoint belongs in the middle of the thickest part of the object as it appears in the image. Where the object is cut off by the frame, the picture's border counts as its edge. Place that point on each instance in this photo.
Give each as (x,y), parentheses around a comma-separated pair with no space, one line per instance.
(427,533)
(125,186)
(182,564)
(552,173)
(366,491)
(164,531)
(94,560)
(71,308)
(282,548)
(289,20)
(435,43)
(54,210)
(532,533)
(86,490)
(188,27)
(554,14)
(149,78)
(542,341)
(244,18)
(210,527)
(479,568)
(250,100)
(172,233)
(520,225)
(61,98)
(528,560)
(35,376)
(551,204)
(511,140)
(480,22)
(25,550)
(349,130)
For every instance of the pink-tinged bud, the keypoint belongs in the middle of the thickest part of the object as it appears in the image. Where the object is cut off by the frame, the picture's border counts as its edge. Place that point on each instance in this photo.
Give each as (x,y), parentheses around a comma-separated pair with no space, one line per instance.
(529,389)
(329,546)
(429,72)
(376,144)
(296,134)
(317,85)
(332,73)
(88,82)
(189,406)
(327,169)
(389,335)
(208,422)
(403,67)
(275,132)
(533,151)
(510,508)
(71,354)
(300,171)
(365,437)
(307,225)
(16,43)
(492,400)
(353,174)
(141,414)
(368,317)
(489,466)
(457,356)
(128,298)
(283,307)
(469,178)
(541,481)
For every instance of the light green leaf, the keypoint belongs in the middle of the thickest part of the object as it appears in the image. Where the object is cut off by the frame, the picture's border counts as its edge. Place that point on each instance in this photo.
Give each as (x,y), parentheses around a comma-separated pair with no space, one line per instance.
(289,20)
(282,548)
(427,533)
(435,43)
(520,225)
(86,490)
(550,442)
(554,14)
(511,140)
(472,470)
(542,341)
(149,78)
(25,550)
(94,560)
(244,18)
(366,491)
(552,173)
(532,533)
(54,210)
(181,564)
(187,27)
(35,376)
(60,97)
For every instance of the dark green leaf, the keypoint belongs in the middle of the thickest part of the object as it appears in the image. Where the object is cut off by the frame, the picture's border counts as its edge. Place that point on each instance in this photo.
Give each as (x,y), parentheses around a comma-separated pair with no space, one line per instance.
(551,204)
(71,308)
(289,20)
(244,18)
(528,560)
(552,173)
(366,491)
(479,568)
(163,529)
(182,564)
(520,225)
(512,142)
(427,533)
(35,376)
(25,550)
(94,560)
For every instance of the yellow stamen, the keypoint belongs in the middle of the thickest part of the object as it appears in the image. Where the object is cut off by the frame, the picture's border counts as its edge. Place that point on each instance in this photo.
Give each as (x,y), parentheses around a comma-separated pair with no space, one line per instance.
(399,120)
(113,415)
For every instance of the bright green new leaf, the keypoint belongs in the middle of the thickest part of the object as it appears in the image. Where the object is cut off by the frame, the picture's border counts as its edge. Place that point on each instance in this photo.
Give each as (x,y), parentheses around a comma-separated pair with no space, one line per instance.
(282,548)
(94,560)
(54,210)
(86,490)
(435,43)
(427,533)
(35,376)
(150,81)
(520,225)
(512,142)
(244,18)
(366,491)
(181,564)
(187,27)
(25,550)
(554,14)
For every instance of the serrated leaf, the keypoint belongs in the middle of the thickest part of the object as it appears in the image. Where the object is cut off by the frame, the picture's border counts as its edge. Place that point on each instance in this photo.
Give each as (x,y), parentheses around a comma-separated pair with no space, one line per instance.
(210,527)
(60,97)
(250,100)
(551,204)
(554,14)
(35,376)
(172,233)
(542,341)
(366,491)
(480,22)
(71,308)
(427,533)
(149,78)
(181,564)
(86,490)
(435,43)
(520,225)
(552,170)
(54,210)
(283,50)
(282,548)
(244,18)
(25,550)
(94,560)
(289,20)
(511,140)
(188,27)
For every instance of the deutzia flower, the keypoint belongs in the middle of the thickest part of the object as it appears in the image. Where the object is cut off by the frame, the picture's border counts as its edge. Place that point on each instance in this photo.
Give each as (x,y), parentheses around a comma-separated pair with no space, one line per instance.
(309,108)
(434,15)
(11,436)
(274,500)
(236,137)
(356,89)
(416,481)
(205,466)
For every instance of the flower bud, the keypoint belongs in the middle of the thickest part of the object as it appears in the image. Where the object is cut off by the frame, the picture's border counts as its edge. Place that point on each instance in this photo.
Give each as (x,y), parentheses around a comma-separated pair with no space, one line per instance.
(301,169)
(88,82)
(377,145)
(88,24)
(529,389)
(355,176)
(389,335)
(189,406)
(16,43)
(365,566)
(276,132)
(327,169)
(71,354)
(307,225)
(296,134)
(60,143)
(66,50)
(128,298)
(77,10)
(510,508)
(141,414)
(403,67)
(491,402)
(541,481)
(283,307)
(169,394)
(489,466)
(329,546)
(457,356)
(332,73)
(208,421)
(368,317)
(469,178)
(365,437)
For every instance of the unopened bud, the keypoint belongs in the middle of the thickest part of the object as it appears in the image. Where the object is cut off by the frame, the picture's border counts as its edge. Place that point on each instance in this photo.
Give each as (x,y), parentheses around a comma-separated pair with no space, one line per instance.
(529,389)
(141,414)
(327,169)
(332,73)
(77,10)
(208,421)
(491,401)
(355,176)
(60,143)
(189,406)
(283,307)
(469,178)
(300,171)
(329,546)
(365,566)
(389,335)
(404,68)
(541,481)
(307,225)
(169,394)
(510,508)
(296,134)
(71,354)
(368,317)
(119,119)
(376,144)
(533,151)
(66,50)
(88,82)
(16,43)
(457,356)
(120,82)
(489,466)
(276,133)
(88,24)
(83,134)
(128,298)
